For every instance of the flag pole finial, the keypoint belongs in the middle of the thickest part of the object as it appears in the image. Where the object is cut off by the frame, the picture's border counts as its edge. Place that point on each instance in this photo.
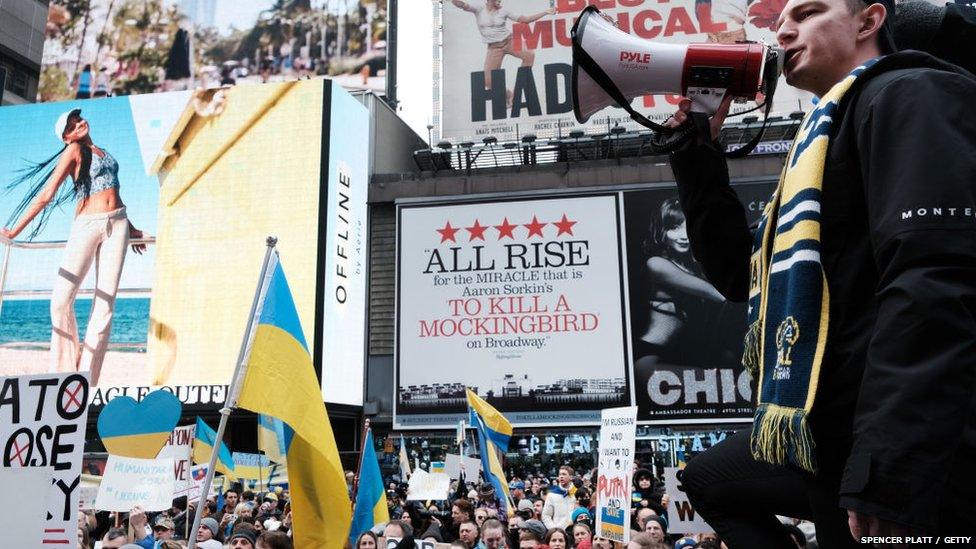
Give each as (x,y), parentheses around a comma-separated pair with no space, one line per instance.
(271,241)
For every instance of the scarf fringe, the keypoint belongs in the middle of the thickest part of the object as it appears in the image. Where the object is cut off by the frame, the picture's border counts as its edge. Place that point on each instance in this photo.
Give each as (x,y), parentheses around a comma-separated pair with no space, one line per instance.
(751,349)
(782,436)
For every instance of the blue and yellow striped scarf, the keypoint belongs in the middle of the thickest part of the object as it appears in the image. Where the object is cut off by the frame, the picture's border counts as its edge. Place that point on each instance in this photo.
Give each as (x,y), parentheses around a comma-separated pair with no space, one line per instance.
(788,296)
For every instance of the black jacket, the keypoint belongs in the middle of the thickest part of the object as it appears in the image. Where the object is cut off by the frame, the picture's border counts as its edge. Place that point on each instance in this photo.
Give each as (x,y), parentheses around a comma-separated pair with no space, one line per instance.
(895,409)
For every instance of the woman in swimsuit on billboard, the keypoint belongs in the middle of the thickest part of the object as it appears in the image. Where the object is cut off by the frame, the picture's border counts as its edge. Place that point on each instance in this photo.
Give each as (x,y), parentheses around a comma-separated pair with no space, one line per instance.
(491,18)
(100,233)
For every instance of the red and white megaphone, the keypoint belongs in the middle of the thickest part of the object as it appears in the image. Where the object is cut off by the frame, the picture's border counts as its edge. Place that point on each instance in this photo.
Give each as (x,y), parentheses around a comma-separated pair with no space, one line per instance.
(612,68)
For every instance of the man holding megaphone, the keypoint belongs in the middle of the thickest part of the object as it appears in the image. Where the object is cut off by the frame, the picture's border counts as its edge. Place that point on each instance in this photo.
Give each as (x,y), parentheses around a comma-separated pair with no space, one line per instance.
(861,283)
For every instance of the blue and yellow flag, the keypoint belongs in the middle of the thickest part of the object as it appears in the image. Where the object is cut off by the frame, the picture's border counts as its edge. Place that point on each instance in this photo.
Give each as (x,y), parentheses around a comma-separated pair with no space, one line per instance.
(273,437)
(494,433)
(279,380)
(371,498)
(203,447)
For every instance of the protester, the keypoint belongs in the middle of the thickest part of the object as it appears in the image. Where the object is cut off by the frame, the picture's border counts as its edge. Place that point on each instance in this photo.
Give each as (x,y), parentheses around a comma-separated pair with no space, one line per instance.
(657,528)
(114,539)
(243,538)
(558,508)
(581,533)
(207,534)
(468,533)
(874,304)
(493,534)
(274,540)
(556,538)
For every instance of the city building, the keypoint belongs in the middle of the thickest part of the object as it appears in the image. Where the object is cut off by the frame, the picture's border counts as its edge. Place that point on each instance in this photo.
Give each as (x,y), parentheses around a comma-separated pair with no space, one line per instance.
(22,25)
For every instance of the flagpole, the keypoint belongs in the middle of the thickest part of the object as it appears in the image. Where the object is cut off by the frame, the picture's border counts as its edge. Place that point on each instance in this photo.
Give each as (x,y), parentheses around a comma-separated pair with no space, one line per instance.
(359,469)
(231,401)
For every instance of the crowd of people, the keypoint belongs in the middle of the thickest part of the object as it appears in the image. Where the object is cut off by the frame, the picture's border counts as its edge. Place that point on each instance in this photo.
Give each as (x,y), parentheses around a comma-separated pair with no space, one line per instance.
(548,514)
(239,519)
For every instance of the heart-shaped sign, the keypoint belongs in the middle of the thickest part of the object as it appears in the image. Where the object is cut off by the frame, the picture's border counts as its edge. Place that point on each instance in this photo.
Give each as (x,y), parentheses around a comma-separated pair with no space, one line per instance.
(139,429)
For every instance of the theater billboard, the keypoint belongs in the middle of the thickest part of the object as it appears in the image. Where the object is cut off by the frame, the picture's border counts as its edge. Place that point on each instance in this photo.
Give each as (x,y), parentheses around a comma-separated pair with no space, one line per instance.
(507,72)
(553,308)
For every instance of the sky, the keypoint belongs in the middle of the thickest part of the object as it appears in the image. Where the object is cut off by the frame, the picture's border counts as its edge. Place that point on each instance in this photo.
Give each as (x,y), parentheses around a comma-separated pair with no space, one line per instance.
(415,45)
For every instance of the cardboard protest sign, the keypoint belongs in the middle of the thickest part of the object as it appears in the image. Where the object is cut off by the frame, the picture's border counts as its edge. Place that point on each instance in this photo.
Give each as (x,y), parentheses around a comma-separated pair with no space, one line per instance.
(88,491)
(42,424)
(618,427)
(424,486)
(131,481)
(682,518)
(22,524)
(452,466)
(179,448)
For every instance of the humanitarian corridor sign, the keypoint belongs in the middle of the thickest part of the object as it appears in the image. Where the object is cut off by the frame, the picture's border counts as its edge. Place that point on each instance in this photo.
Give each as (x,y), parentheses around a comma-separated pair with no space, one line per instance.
(42,424)
(521,301)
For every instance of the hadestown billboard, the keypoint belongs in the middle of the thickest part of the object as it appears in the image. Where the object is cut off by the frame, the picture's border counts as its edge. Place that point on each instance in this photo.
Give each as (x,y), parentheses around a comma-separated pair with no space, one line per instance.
(507,71)
(555,308)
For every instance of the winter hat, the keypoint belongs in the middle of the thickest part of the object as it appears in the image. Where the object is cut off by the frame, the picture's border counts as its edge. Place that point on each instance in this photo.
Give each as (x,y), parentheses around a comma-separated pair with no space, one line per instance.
(210,524)
(534,526)
(581,513)
(526,505)
(246,534)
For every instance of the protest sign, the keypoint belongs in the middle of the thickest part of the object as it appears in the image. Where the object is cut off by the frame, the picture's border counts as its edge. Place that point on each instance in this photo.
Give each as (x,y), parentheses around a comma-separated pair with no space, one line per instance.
(452,466)
(22,524)
(251,466)
(179,448)
(139,429)
(682,518)
(131,481)
(424,485)
(88,491)
(618,427)
(42,424)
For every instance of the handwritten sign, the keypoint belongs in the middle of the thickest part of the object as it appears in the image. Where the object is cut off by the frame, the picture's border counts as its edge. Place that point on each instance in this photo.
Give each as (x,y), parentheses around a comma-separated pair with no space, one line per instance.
(42,424)
(132,481)
(682,518)
(424,486)
(179,448)
(618,427)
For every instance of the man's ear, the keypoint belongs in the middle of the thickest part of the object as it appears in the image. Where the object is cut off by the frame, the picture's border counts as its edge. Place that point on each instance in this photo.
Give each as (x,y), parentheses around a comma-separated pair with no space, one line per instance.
(872,18)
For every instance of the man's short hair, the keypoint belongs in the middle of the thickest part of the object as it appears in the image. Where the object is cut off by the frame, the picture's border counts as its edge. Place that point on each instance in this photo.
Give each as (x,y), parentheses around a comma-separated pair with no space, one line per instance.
(568,469)
(275,540)
(115,533)
(645,540)
(492,524)
(404,527)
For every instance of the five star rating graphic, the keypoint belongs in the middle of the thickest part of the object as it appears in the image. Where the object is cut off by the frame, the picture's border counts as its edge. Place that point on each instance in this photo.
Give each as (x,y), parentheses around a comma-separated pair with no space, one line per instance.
(506,229)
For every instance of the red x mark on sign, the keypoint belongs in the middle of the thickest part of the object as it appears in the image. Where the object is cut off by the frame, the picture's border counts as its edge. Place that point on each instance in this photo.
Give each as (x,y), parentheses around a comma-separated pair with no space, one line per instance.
(18,450)
(69,398)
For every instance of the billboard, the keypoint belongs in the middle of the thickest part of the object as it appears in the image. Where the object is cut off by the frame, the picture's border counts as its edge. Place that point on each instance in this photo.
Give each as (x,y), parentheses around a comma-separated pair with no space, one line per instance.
(686,337)
(97,48)
(555,308)
(507,71)
(202,179)
(518,300)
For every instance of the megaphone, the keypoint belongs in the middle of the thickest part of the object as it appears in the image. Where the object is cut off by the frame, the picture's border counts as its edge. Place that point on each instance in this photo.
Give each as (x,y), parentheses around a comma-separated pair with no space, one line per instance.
(612,68)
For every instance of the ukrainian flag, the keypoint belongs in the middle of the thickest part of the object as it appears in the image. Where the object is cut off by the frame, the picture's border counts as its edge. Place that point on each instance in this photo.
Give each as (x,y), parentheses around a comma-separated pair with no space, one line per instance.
(273,437)
(494,433)
(279,381)
(371,497)
(203,447)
